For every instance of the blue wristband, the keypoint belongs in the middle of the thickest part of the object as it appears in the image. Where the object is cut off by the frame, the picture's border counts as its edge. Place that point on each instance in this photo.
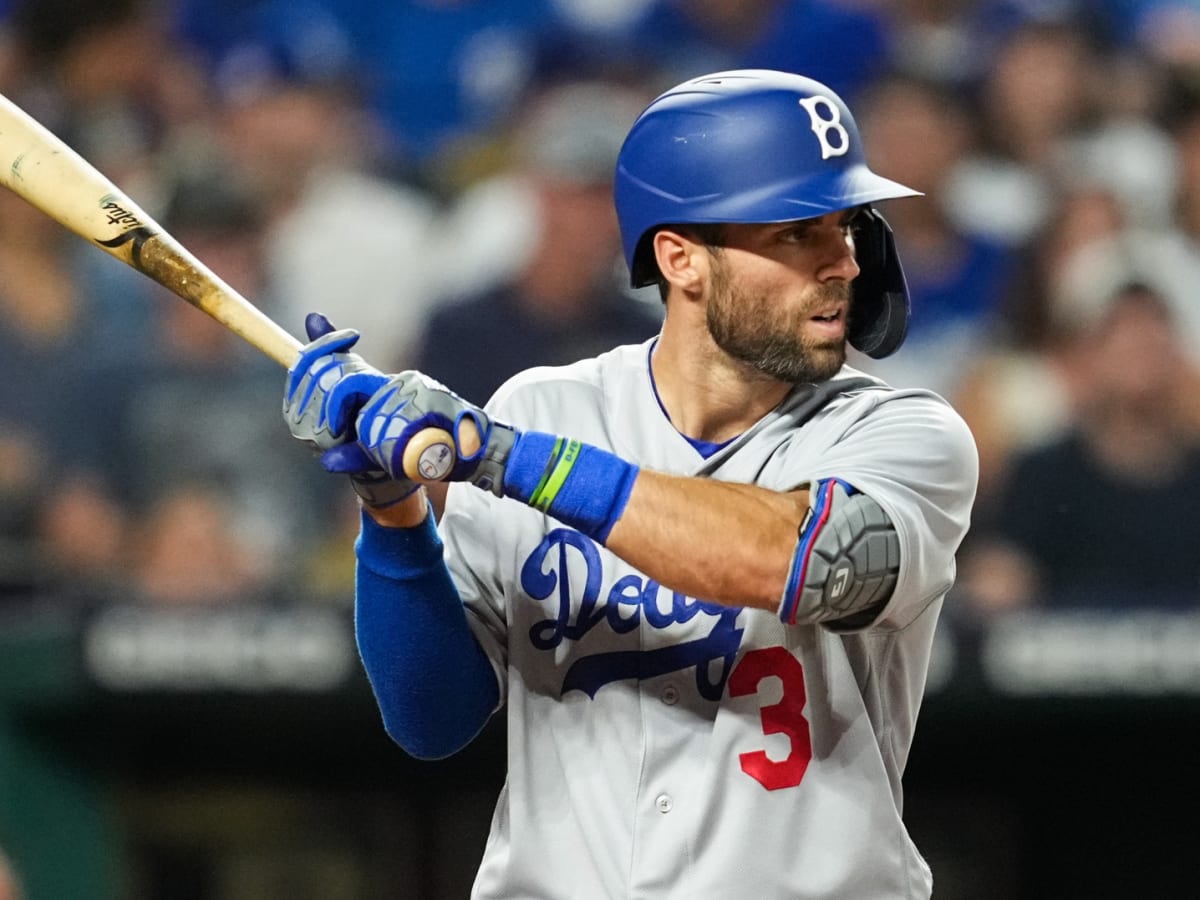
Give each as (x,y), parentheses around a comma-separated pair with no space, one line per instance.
(578,484)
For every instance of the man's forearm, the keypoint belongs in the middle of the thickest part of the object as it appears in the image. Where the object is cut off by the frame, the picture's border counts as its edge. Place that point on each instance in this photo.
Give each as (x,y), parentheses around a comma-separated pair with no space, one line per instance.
(715,540)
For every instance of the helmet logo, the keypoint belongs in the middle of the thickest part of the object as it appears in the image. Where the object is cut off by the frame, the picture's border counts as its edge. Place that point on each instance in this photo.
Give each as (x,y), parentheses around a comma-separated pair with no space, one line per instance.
(823,124)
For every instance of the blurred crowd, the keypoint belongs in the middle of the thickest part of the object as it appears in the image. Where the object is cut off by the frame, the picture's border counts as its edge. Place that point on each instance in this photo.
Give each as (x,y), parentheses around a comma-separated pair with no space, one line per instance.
(436,174)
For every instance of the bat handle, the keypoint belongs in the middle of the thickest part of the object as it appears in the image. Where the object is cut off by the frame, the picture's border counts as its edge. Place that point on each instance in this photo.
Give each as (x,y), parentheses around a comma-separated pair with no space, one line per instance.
(431,454)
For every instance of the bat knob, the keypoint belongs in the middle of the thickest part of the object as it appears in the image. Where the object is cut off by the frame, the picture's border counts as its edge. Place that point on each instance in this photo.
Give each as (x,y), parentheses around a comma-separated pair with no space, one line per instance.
(430,455)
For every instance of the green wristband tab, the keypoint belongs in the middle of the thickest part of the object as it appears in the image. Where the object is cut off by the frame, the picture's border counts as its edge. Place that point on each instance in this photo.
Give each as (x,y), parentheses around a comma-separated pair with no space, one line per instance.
(562,460)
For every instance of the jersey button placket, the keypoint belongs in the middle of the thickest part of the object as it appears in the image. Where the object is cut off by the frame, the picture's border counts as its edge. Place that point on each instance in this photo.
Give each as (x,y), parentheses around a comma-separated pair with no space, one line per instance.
(670,695)
(663,803)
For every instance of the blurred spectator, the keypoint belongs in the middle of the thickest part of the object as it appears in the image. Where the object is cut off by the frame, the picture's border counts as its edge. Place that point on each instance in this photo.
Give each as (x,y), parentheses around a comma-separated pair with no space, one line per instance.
(1164,258)
(243,43)
(1014,394)
(1039,90)
(940,41)
(102,77)
(563,301)
(1167,30)
(557,306)
(198,406)
(97,74)
(201,413)
(687,38)
(1107,514)
(82,535)
(956,279)
(955,43)
(189,549)
(440,70)
(44,346)
(1125,149)
(340,237)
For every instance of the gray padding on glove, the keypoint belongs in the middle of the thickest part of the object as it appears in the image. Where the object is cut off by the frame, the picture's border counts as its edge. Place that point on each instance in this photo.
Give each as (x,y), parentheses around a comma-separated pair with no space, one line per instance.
(380,489)
(325,387)
(385,421)
(389,421)
(493,457)
(307,406)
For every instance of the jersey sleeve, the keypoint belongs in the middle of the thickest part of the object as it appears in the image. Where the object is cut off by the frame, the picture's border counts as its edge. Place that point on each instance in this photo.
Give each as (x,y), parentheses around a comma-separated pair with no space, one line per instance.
(914,455)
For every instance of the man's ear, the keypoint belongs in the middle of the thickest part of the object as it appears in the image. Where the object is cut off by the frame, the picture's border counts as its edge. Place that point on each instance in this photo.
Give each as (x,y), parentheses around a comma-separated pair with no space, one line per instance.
(681,260)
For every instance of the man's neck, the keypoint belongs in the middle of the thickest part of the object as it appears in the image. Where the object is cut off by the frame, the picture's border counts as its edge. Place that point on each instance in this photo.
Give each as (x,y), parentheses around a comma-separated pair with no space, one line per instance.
(707,394)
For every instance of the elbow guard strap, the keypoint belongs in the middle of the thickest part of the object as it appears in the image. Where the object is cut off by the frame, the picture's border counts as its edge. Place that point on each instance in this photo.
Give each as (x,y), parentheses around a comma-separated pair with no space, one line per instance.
(846,562)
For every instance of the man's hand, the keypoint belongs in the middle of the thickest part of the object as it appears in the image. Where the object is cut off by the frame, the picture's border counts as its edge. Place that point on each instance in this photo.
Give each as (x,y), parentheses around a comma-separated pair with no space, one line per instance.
(325,390)
(409,403)
(327,385)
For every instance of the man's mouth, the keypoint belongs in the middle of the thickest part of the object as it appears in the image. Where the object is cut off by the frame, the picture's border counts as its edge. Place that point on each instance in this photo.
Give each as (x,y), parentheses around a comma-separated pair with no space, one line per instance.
(829,317)
(830,322)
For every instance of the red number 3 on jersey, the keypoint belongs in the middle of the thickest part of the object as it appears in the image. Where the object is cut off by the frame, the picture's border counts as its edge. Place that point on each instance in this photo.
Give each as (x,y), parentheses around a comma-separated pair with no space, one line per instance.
(784,717)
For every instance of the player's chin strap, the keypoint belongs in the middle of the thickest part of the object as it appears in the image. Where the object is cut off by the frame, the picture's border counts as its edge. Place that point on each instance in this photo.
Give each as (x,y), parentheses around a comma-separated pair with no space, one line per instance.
(846,562)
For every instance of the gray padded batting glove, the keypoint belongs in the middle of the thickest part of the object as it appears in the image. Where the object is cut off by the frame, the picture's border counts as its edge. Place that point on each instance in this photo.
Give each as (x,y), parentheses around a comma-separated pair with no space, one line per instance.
(406,405)
(325,388)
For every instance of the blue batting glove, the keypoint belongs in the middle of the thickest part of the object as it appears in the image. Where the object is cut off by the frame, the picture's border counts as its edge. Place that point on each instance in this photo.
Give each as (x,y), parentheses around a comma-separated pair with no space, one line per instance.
(326,387)
(407,404)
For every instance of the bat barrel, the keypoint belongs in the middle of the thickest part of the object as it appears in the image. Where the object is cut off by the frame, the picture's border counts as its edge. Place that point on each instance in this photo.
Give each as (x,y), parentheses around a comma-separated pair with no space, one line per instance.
(162,258)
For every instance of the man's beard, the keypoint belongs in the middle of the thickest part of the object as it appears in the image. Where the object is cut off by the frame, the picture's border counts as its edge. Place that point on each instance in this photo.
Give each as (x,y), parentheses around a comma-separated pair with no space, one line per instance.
(755,331)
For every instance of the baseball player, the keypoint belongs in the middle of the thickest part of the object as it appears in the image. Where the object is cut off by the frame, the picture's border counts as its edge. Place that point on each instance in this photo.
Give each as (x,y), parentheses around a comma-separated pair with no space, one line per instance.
(700,575)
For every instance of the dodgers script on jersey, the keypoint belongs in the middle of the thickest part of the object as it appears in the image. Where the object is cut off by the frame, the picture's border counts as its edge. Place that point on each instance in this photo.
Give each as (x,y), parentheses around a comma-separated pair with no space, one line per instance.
(662,746)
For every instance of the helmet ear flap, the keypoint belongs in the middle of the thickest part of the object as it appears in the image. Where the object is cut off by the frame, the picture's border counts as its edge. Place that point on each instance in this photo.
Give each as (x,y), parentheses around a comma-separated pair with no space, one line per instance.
(643,269)
(880,307)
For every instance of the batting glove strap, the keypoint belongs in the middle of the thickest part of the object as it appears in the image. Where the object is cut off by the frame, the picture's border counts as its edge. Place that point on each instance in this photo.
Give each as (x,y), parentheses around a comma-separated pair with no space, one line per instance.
(486,467)
(379,489)
(578,484)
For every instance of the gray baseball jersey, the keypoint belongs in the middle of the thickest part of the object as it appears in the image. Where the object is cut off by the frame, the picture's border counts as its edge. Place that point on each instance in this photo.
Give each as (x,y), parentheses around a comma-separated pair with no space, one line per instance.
(662,746)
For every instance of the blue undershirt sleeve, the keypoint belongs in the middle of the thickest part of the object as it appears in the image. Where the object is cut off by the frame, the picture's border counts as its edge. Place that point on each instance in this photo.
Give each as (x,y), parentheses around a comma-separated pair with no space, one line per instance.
(432,681)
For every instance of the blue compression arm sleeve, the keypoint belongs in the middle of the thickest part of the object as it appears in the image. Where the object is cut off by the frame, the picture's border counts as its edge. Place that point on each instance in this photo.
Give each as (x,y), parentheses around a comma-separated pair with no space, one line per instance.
(434,685)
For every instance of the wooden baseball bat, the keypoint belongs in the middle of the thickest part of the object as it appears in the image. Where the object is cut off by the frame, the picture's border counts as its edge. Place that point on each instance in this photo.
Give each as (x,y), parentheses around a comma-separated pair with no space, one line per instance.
(38,166)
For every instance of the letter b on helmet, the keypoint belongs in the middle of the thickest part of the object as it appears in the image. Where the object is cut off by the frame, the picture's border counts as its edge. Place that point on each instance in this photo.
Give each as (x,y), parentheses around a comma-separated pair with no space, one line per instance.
(825,119)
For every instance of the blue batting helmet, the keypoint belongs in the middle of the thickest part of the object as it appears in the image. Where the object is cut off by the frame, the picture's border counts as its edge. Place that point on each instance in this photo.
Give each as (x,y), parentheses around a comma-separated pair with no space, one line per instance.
(761,146)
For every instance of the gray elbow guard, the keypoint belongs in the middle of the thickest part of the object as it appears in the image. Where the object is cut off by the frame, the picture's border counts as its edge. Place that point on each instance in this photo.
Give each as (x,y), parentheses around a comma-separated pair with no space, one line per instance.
(846,562)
